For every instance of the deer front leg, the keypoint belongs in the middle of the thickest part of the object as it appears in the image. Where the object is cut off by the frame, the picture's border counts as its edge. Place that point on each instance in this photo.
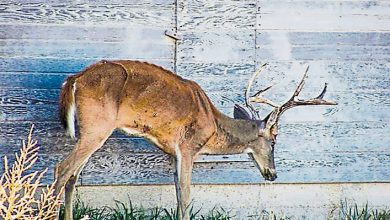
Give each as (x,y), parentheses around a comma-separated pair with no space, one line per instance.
(183,172)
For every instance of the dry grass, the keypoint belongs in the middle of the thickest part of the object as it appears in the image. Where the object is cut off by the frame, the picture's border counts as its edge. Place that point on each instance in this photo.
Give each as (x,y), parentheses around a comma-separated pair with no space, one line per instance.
(19,194)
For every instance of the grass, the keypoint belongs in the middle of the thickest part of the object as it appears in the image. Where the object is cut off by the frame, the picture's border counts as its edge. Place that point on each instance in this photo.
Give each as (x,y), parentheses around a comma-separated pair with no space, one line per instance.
(127,211)
(346,211)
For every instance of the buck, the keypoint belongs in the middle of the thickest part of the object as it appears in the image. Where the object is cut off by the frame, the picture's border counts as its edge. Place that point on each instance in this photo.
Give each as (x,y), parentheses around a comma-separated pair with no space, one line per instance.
(175,114)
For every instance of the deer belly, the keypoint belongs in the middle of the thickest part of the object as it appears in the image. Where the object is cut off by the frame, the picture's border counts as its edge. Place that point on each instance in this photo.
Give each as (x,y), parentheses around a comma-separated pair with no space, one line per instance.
(137,133)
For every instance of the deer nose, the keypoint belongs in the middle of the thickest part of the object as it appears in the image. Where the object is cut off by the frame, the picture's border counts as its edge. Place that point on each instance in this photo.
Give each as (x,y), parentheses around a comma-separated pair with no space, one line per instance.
(270,174)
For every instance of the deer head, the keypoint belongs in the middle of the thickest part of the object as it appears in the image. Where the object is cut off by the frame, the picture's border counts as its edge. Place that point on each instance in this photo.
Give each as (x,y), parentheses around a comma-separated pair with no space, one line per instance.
(263,151)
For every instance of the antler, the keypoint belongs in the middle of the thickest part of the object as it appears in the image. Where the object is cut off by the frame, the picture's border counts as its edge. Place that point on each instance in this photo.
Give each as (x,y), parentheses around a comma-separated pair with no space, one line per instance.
(256,97)
(274,116)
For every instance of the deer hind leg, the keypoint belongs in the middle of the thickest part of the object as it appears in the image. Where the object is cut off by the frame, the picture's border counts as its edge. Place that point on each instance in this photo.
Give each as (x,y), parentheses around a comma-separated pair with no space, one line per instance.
(183,173)
(67,171)
(69,190)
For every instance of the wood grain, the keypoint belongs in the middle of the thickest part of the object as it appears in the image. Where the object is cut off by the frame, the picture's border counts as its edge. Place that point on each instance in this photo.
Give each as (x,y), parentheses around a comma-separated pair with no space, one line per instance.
(283,45)
(378,7)
(346,43)
(323,16)
(327,136)
(156,168)
(340,52)
(86,33)
(294,168)
(16,106)
(209,14)
(85,13)
(222,46)
(267,38)
(135,48)
(56,65)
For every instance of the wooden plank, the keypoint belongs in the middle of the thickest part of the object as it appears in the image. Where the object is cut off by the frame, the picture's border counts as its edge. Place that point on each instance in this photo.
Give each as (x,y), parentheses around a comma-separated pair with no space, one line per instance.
(209,14)
(283,45)
(222,46)
(377,7)
(14,96)
(85,33)
(115,168)
(278,69)
(32,80)
(328,136)
(323,15)
(85,13)
(63,65)
(157,168)
(17,96)
(267,38)
(132,49)
(339,52)
(352,107)
(289,82)
(99,2)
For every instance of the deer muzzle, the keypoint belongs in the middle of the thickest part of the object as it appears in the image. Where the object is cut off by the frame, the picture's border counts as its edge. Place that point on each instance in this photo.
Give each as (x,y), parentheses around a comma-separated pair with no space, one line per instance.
(269,174)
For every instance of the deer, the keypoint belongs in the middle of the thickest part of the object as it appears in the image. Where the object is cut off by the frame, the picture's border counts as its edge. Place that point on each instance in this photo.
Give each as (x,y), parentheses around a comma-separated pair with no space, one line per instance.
(146,100)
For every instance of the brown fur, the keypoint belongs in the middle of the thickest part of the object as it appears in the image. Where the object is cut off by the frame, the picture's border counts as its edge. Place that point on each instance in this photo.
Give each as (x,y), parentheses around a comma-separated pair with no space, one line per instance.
(149,101)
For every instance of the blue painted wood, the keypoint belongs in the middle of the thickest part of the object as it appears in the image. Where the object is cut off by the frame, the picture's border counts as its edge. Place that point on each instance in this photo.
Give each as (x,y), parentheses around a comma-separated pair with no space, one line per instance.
(222,44)
(89,12)
(56,65)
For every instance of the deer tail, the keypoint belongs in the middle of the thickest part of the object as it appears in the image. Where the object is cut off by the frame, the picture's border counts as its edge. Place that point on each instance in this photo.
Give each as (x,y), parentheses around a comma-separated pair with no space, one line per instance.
(67,108)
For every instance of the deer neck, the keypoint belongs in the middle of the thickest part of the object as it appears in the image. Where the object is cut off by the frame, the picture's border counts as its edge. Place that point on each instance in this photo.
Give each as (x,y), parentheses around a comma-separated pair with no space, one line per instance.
(235,135)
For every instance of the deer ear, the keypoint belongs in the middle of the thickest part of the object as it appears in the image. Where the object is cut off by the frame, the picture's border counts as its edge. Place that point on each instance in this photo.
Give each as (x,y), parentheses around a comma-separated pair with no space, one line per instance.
(241,113)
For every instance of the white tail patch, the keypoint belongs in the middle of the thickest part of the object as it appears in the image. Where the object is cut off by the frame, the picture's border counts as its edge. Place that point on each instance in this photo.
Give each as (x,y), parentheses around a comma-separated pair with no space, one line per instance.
(71,116)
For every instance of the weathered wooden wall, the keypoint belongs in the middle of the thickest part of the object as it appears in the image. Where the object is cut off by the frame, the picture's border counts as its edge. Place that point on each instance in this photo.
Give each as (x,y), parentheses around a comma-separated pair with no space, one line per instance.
(346,43)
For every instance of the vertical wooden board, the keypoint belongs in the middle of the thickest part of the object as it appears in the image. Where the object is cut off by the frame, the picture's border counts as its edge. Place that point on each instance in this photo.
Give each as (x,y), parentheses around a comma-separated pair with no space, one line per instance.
(222,46)
(210,14)
(85,13)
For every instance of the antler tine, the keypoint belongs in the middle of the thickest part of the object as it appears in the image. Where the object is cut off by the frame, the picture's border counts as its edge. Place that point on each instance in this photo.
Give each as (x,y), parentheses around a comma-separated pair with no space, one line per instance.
(256,98)
(314,101)
(300,85)
(248,89)
(273,117)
